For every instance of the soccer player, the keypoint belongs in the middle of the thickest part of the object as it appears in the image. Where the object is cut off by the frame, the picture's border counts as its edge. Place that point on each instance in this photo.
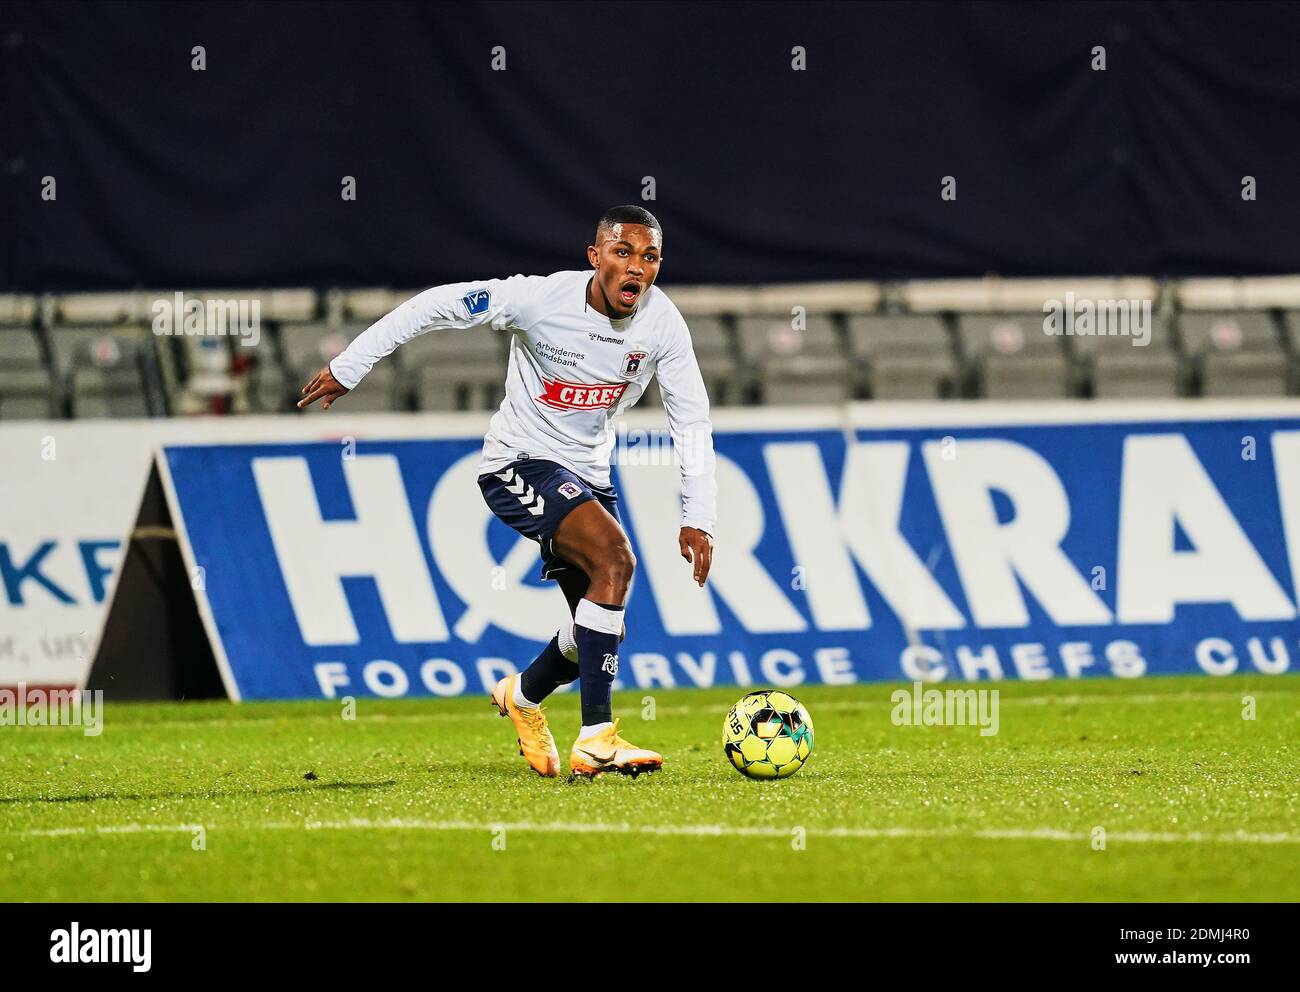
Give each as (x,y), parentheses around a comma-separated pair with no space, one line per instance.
(584,346)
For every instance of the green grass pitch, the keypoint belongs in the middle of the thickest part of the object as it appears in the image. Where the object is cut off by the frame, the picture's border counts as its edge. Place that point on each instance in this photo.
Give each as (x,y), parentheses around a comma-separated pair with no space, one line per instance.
(428,800)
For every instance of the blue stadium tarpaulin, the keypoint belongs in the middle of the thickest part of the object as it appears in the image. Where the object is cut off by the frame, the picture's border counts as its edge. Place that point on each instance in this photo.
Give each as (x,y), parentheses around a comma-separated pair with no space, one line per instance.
(214,144)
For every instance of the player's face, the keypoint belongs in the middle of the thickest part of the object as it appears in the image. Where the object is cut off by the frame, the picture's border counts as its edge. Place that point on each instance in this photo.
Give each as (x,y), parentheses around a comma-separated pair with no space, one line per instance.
(626,259)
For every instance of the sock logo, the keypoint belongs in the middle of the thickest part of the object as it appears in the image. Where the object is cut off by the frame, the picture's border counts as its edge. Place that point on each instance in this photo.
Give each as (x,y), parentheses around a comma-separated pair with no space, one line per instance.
(611,664)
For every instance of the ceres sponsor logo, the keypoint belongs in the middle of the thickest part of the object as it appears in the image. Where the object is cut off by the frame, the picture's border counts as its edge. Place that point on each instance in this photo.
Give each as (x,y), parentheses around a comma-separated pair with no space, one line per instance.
(561,395)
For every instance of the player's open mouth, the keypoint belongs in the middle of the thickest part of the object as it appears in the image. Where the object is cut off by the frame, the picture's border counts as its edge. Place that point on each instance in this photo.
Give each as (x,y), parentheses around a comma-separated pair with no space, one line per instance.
(628,292)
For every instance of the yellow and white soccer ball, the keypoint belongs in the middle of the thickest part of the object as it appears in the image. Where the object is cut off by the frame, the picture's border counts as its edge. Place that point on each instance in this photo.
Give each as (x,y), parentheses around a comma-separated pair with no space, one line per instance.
(768,734)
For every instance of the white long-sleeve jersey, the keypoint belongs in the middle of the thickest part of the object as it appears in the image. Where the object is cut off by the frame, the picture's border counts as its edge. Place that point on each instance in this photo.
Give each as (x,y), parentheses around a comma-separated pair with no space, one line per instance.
(572,370)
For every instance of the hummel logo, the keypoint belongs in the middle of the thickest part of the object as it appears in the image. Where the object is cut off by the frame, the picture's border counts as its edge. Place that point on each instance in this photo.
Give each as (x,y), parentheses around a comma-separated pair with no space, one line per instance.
(517,487)
(611,664)
(527,497)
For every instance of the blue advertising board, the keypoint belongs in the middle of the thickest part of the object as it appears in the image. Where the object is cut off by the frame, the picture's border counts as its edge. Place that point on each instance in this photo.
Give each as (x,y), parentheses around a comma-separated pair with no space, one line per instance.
(1022,551)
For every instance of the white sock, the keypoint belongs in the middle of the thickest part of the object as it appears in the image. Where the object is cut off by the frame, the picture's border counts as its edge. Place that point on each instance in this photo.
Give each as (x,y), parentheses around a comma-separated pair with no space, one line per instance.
(586,732)
(520,699)
(593,616)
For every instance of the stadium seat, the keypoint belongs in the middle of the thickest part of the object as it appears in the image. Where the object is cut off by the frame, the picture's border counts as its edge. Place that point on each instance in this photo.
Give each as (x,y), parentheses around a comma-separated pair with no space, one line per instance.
(711,301)
(1291,336)
(108,371)
(806,380)
(112,361)
(456,370)
(1227,332)
(1135,374)
(26,386)
(905,356)
(284,305)
(105,309)
(434,387)
(1257,373)
(238,355)
(1011,356)
(817,297)
(105,360)
(1115,366)
(1025,377)
(722,380)
(715,353)
(26,395)
(365,306)
(1235,353)
(1240,293)
(17,311)
(793,364)
(308,347)
(997,295)
(266,388)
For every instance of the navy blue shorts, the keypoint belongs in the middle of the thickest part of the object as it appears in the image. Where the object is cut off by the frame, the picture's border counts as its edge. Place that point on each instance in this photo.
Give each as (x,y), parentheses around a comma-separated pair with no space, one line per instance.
(533,495)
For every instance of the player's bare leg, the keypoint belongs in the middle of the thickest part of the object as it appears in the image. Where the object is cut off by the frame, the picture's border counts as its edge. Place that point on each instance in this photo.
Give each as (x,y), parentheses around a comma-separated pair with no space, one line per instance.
(592,539)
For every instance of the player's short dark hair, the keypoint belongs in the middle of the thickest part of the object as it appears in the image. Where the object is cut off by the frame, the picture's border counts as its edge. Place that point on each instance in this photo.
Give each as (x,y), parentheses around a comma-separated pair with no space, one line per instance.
(628,214)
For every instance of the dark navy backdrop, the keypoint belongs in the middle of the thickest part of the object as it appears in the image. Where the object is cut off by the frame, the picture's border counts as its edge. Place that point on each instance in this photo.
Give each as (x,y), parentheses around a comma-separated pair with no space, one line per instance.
(232,175)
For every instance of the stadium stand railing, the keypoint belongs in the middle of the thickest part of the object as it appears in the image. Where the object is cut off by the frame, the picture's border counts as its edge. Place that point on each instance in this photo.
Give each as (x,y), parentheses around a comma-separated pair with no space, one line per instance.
(107,355)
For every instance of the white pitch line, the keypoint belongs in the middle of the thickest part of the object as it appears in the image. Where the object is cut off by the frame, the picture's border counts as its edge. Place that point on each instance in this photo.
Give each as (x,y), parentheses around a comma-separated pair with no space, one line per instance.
(688,830)
(117,828)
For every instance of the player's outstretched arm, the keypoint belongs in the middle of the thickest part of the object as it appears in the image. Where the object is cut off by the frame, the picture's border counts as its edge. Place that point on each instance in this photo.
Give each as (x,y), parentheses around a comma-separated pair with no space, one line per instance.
(455,306)
(324,387)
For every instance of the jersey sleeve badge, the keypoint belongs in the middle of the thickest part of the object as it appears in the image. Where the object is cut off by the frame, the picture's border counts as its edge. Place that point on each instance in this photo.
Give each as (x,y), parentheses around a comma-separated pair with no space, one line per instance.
(477,301)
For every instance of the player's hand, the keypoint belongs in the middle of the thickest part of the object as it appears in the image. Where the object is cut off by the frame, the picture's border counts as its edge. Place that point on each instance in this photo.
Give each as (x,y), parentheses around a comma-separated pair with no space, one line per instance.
(697,548)
(322,386)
